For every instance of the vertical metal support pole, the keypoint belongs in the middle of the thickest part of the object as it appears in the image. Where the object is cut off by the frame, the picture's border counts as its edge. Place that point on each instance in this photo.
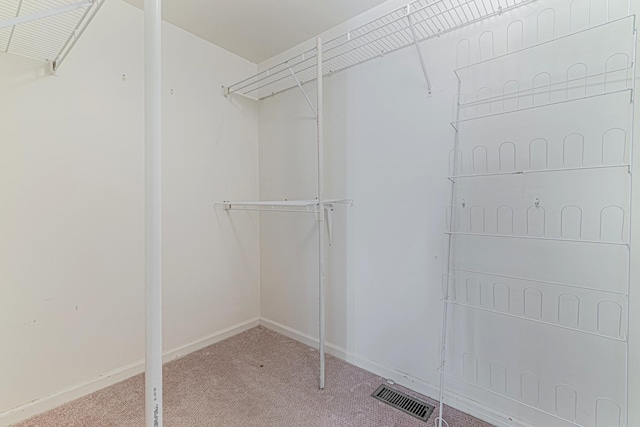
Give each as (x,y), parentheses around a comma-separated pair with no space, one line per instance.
(153,213)
(630,253)
(321,212)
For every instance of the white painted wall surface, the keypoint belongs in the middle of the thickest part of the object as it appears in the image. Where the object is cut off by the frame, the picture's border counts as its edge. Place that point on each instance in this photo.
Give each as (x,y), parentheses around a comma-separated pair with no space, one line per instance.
(71,210)
(387,149)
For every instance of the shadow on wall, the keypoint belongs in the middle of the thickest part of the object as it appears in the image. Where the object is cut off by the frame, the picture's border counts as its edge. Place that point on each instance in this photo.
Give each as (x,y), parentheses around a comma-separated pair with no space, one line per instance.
(16,74)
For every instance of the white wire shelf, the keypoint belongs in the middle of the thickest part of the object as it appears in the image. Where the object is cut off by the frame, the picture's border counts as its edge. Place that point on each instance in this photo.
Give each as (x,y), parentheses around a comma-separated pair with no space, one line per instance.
(419,21)
(45,30)
(302,206)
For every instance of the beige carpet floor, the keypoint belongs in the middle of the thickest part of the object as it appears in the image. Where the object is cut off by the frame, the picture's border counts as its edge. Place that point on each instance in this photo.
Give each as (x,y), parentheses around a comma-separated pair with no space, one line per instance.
(255,379)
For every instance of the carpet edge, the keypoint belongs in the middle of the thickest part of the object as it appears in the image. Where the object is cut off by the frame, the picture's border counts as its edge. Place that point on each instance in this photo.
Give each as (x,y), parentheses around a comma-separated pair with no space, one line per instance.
(425,388)
(39,406)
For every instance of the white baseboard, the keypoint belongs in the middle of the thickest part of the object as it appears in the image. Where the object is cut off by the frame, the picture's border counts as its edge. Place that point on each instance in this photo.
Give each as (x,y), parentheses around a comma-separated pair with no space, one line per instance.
(39,406)
(425,388)
(461,403)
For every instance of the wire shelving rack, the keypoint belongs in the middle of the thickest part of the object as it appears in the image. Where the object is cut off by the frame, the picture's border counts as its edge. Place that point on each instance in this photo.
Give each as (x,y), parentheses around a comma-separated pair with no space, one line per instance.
(546,302)
(406,26)
(44,30)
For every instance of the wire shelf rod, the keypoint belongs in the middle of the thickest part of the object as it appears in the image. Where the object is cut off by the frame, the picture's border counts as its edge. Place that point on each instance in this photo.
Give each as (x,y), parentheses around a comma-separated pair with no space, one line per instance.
(294,206)
(13,29)
(267,209)
(535,171)
(455,124)
(453,377)
(284,202)
(555,239)
(529,319)
(528,279)
(540,44)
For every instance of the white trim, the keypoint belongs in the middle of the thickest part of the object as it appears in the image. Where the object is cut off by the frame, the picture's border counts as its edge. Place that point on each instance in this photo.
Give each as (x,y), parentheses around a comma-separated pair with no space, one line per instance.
(39,406)
(466,405)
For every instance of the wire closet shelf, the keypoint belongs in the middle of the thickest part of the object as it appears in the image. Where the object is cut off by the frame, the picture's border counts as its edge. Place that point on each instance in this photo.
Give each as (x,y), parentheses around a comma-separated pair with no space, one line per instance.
(406,26)
(302,206)
(45,30)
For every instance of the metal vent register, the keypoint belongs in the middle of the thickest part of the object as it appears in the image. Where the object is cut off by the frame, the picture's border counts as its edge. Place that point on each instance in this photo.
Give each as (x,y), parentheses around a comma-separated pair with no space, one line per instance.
(408,404)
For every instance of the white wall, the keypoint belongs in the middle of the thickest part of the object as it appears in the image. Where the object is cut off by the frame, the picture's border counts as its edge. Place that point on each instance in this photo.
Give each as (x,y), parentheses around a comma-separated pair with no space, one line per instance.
(387,149)
(71,210)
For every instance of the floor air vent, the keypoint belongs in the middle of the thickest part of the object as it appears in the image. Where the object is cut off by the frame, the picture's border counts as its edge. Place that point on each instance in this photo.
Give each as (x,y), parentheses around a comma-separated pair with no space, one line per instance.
(403,402)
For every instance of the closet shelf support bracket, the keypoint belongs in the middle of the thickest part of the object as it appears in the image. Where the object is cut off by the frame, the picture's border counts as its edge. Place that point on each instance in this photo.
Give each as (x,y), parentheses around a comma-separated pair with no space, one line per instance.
(299,84)
(226,92)
(329,214)
(45,14)
(423,63)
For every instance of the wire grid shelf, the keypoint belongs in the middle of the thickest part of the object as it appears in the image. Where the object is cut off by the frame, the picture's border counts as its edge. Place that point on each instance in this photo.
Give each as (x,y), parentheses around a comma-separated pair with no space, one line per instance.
(383,35)
(54,26)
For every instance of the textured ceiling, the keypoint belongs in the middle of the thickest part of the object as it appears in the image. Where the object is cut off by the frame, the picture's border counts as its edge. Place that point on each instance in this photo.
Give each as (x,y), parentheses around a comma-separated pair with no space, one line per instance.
(259,29)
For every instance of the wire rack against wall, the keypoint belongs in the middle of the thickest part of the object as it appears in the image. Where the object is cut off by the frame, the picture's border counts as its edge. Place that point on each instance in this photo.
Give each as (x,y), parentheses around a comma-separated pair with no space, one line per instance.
(403,27)
(541,91)
(45,30)
(590,309)
(531,392)
(609,229)
(610,152)
(515,45)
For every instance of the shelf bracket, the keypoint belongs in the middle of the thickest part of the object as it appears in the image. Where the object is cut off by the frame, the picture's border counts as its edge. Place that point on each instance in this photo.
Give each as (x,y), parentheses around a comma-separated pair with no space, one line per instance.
(44,14)
(416,42)
(329,213)
(226,92)
(302,90)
